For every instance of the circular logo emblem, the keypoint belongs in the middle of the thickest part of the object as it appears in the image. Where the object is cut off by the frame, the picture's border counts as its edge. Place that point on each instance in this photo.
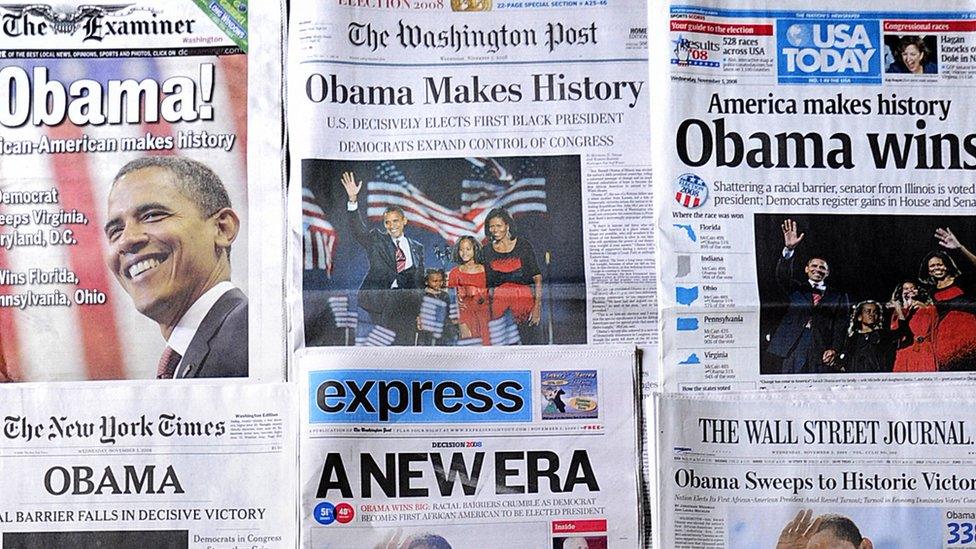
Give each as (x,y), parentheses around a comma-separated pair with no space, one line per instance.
(325,513)
(344,513)
(690,190)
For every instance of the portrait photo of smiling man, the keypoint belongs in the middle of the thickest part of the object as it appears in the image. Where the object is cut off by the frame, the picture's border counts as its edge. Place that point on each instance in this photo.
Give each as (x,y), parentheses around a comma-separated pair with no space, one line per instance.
(170,229)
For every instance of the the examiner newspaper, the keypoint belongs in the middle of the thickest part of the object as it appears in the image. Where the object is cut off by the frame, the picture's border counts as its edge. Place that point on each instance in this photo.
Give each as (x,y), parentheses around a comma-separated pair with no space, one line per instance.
(842,468)
(106,109)
(818,221)
(530,448)
(160,466)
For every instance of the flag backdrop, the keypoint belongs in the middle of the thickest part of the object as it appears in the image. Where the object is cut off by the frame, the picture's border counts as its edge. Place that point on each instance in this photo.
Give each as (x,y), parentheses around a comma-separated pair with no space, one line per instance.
(110,341)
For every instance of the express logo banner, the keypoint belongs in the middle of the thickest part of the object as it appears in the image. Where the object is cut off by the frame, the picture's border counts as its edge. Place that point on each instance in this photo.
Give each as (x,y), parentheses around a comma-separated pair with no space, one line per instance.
(413,396)
(828,52)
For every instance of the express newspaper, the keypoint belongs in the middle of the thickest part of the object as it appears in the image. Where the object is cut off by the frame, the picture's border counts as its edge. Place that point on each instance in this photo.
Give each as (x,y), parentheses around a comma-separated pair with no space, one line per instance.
(523,447)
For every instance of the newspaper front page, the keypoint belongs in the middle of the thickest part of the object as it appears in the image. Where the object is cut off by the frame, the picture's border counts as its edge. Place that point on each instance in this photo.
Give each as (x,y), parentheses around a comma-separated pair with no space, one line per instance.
(155,96)
(851,468)
(817,221)
(134,467)
(507,143)
(521,448)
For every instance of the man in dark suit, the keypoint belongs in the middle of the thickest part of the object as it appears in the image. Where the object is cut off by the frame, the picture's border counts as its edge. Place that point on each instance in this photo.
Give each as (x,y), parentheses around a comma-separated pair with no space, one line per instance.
(170,229)
(811,334)
(391,289)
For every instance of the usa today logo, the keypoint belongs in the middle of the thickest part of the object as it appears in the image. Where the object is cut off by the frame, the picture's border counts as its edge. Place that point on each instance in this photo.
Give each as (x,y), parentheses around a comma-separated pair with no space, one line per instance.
(828,52)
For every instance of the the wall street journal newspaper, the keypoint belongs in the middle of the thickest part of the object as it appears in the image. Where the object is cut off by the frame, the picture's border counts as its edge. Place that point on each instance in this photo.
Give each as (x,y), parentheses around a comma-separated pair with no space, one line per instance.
(817,224)
(124,188)
(159,466)
(851,468)
(522,448)
(506,143)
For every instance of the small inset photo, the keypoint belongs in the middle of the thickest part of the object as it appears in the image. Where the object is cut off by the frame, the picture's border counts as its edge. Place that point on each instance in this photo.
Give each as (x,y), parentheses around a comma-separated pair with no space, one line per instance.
(911,54)
(580,542)
(570,394)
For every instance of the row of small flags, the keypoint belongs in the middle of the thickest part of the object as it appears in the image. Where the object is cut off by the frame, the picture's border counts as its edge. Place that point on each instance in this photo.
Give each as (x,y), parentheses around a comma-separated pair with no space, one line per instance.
(434,313)
(504,331)
(344,311)
(374,335)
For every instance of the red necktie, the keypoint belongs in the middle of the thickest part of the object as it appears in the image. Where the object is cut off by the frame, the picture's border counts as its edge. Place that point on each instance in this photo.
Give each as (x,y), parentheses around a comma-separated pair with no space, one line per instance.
(401,258)
(167,364)
(816,298)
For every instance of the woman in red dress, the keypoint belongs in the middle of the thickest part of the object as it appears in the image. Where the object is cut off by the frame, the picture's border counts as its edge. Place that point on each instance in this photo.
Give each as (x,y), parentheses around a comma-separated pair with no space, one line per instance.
(954,337)
(913,313)
(514,277)
(472,290)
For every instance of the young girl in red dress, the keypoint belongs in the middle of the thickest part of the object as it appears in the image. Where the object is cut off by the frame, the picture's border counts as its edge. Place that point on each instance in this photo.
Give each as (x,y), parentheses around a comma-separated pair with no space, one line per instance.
(472,290)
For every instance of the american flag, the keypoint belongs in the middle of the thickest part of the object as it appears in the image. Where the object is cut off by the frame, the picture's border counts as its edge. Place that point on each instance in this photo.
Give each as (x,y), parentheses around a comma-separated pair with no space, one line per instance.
(478,197)
(454,313)
(433,315)
(110,341)
(504,331)
(373,335)
(344,310)
(319,237)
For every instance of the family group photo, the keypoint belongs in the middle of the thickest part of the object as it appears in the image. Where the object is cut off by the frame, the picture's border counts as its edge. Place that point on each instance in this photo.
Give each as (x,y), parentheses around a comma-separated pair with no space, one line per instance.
(866,293)
(443,252)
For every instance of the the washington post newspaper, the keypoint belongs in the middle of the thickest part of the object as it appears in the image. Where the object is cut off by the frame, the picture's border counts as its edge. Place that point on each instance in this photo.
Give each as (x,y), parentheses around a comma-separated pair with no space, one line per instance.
(104,110)
(481,166)
(517,448)
(826,468)
(816,224)
(198,465)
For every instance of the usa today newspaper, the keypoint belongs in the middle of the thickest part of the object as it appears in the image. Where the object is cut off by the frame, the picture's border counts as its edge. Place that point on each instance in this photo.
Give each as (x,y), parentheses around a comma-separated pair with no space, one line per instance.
(827,468)
(523,447)
(815,221)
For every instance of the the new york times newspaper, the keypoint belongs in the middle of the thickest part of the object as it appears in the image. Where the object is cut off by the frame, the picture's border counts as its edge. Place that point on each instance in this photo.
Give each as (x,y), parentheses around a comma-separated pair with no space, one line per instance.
(520,448)
(198,465)
(831,468)
(104,110)
(506,142)
(818,220)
